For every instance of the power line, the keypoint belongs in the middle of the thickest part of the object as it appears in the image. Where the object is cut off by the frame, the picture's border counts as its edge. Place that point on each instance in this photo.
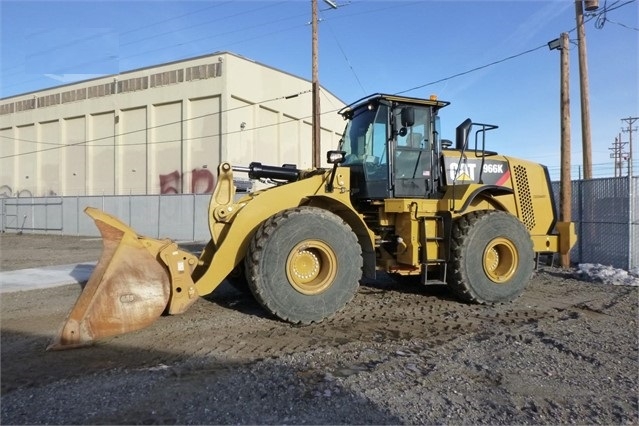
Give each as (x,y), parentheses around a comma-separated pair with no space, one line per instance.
(630,121)
(400,92)
(238,30)
(614,6)
(269,5)
(617,155)
(85,39)
(414,88)
(622,25)
(473,69)
(404,91)
(348,62)
(59,146)
(601,16)
(192,41)
(599,169)
(189,27)
(164,141)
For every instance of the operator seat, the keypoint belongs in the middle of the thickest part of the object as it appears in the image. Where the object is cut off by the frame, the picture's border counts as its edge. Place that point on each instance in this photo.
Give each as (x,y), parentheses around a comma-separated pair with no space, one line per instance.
(415,140)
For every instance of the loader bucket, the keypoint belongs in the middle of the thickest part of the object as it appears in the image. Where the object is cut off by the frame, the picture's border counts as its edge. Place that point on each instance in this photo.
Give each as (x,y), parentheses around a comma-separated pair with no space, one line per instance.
(128,290)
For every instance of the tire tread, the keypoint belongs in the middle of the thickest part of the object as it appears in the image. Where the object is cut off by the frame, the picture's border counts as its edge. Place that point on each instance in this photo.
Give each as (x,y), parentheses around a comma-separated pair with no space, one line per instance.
(257,246)
(458,279)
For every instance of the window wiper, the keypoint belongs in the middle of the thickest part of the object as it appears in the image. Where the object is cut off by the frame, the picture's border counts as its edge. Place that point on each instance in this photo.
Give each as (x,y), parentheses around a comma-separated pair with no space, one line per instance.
(417,164)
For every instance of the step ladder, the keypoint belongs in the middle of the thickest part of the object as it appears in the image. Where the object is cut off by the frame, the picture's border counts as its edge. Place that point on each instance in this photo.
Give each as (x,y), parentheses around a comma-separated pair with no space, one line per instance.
(443,223)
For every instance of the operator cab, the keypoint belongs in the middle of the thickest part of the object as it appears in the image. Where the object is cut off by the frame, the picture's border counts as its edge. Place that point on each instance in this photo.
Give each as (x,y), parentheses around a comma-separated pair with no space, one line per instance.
(392,146)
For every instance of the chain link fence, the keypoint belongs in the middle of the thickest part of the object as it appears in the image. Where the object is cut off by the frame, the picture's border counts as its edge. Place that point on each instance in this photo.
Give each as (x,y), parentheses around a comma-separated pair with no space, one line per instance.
(605,212)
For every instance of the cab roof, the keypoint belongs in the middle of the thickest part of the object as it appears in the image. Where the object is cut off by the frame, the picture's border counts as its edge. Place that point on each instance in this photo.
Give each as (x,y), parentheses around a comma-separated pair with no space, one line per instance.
(434,102)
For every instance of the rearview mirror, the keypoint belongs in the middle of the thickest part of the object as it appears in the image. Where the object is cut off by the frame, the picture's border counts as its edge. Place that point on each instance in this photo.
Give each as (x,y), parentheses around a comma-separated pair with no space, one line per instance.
(408,116)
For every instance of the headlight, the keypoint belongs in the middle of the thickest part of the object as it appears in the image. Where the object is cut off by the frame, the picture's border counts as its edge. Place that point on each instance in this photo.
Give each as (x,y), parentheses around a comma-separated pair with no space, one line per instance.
(335,157)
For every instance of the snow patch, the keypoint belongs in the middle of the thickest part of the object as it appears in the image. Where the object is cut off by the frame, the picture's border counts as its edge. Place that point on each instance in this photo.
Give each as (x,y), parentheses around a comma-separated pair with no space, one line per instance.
(595,272)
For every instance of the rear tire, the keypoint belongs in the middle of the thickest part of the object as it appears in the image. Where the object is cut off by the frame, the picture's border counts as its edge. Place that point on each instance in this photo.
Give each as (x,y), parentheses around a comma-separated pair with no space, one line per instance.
(492,257)
(304,264)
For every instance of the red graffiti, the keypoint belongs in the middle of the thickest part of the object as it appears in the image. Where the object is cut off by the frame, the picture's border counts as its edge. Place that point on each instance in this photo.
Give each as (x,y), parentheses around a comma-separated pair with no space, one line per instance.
(202,182)
(170,184)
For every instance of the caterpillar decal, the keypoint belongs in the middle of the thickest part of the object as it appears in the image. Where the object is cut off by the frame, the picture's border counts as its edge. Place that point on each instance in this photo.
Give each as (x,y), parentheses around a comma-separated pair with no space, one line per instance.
(476,170)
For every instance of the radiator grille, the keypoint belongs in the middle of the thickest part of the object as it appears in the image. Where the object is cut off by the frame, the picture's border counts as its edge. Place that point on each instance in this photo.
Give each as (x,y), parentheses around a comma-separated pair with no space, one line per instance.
(525,200)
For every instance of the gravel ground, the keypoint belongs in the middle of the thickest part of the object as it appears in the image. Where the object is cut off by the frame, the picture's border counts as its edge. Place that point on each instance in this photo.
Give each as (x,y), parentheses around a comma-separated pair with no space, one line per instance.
(566,352)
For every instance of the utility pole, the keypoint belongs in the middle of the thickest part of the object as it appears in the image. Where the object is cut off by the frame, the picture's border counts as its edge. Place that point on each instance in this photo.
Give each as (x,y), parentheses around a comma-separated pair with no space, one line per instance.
(630,121)
(617,155)
(315,89)
(565,189)
(565,194)
(317,144)
(583,85)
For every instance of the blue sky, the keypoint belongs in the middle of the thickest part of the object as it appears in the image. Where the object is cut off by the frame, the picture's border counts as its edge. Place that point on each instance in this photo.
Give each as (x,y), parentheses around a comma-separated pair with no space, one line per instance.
(417,48)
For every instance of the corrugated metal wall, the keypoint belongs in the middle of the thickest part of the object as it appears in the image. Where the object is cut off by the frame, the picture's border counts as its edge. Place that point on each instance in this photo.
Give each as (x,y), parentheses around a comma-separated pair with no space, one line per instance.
(159,130)
(181,217)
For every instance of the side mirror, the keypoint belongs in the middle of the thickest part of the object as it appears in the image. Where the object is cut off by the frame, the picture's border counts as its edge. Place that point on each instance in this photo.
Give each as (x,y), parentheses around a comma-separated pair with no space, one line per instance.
(408,116)
(335,157)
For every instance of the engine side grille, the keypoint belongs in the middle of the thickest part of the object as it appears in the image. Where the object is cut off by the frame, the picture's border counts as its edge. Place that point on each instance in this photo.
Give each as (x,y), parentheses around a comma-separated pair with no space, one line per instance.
(525,200)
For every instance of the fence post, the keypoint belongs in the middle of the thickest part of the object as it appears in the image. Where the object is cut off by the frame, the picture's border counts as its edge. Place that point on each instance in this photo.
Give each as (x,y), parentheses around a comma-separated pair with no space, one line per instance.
(631,212)
(193,219)
(78,212)
(580,185)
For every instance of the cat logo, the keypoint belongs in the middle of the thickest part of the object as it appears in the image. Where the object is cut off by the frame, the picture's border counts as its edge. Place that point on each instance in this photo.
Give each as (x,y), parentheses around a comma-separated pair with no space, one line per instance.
(464,172)
(474,170)
(463,177)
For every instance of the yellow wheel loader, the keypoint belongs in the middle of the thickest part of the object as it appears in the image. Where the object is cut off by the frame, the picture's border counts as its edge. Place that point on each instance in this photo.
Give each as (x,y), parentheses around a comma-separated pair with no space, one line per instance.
(396,199)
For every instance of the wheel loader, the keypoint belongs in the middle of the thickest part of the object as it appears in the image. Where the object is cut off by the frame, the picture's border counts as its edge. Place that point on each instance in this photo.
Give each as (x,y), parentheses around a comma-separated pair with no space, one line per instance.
(396,198)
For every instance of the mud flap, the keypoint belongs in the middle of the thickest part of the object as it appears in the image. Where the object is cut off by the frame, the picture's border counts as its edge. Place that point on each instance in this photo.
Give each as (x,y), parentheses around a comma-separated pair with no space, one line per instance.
(131,286)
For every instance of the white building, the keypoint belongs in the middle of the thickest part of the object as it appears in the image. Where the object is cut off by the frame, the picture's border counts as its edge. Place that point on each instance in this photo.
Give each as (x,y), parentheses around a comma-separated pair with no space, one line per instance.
(161,129)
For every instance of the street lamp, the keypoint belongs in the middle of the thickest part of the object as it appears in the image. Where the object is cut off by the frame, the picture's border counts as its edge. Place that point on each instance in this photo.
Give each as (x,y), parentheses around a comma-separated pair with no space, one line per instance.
(317,154)
(554,44)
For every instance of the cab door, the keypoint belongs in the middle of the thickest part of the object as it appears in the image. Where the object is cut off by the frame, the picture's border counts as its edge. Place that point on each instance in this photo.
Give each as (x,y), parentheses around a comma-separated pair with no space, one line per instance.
(413,155)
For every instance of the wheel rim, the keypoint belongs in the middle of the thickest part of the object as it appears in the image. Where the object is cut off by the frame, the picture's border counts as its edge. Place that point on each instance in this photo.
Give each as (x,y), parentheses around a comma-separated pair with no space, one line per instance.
(311,267)
(500,260)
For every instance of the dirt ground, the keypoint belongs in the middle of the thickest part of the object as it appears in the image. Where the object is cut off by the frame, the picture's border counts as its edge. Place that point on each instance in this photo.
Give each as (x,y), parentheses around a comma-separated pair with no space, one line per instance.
(565,352)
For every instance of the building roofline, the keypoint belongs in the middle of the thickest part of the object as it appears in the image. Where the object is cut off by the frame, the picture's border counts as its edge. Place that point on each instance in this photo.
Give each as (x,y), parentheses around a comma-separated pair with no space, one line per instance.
(208,55)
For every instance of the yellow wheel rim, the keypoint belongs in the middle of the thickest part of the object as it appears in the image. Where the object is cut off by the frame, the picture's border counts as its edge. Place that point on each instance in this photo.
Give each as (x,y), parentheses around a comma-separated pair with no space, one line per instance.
(500,260)
(311,267)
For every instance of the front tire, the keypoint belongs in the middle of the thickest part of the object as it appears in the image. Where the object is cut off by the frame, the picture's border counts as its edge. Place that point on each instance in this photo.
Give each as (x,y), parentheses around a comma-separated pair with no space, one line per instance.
(492,257)
(304,264)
